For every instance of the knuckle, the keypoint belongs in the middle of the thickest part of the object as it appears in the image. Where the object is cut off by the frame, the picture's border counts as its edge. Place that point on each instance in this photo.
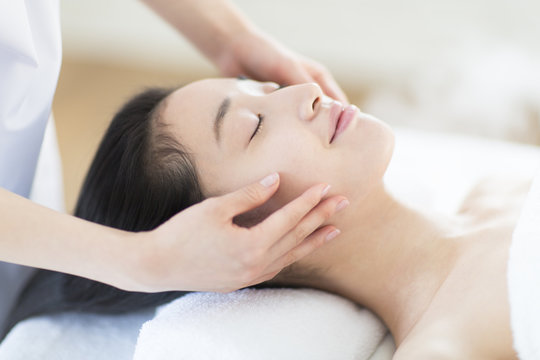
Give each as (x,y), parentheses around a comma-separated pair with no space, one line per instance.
(314,196)
(253,268)
(300,233)
(252,258)
(296,215)
(298,210)
(290,258)
(318,69)
(326,212)
(290,63)
(214,206)
(312,199)
(251,193)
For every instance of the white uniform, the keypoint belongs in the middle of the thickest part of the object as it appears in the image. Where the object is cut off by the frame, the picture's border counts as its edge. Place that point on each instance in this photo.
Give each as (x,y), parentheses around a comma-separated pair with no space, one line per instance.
(30,57)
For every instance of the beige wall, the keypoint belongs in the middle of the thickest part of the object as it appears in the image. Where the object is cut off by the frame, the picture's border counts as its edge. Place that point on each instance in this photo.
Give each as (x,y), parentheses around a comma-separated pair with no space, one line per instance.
(359,40)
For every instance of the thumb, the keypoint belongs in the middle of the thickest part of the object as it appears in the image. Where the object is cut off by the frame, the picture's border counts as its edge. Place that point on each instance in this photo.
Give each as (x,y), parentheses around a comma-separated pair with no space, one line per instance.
(250,196)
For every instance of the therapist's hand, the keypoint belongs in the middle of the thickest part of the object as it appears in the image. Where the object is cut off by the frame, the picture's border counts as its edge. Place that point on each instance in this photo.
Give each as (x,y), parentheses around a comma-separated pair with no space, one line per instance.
(201,249)
(260,57)
(237,47)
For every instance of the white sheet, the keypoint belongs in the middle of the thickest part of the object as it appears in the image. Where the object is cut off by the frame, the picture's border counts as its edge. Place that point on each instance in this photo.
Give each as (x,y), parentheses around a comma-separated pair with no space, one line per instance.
(72,336)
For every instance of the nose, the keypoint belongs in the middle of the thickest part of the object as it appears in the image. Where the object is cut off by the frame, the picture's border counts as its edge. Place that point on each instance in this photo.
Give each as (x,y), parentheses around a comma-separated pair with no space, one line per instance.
(306,97)
(311,95)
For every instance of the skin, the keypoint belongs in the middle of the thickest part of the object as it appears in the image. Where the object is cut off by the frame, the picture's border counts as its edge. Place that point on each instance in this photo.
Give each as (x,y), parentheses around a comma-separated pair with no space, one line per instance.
(438,282)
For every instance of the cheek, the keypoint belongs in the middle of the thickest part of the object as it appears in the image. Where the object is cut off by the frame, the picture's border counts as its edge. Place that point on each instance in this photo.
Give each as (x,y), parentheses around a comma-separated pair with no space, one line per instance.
(301,161)
(352,168)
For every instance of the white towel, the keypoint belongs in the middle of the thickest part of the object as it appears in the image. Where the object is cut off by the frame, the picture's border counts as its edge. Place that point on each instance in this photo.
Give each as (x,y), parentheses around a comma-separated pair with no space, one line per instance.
(74,336)
(261,324)
(524,278)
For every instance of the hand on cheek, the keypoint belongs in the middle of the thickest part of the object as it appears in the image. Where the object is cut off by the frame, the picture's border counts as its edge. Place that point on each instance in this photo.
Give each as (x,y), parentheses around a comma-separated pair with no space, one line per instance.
(202,249)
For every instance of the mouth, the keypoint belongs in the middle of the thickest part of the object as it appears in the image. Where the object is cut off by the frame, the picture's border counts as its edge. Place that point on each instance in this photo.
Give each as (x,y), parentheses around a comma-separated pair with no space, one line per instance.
(340,118)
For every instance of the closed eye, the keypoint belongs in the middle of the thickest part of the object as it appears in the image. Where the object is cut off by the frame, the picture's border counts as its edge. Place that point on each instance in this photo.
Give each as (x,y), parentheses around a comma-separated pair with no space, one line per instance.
(259,126)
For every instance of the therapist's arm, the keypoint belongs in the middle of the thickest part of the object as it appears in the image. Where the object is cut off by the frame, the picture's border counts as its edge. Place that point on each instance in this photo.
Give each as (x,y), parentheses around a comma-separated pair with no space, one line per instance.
(199,249)
(36,236)
(237,47)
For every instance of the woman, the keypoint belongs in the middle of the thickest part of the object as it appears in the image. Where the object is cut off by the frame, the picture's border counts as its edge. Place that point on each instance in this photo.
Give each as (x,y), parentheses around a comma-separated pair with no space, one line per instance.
(426,276)
(30,56)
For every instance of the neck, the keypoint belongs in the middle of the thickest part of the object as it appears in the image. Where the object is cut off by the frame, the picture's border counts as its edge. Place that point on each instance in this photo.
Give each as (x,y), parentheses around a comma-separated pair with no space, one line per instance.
(390,258)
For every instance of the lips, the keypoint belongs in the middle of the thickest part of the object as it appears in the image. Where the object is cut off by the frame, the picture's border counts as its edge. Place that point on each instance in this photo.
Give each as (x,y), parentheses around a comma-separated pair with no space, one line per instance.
(340,118)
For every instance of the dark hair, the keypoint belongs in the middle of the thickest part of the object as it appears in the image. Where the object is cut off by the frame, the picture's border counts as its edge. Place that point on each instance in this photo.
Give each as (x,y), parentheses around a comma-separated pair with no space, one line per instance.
(139,178)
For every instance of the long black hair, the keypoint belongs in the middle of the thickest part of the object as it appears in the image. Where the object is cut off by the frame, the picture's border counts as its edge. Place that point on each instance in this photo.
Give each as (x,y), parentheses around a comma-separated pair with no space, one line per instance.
(139,178)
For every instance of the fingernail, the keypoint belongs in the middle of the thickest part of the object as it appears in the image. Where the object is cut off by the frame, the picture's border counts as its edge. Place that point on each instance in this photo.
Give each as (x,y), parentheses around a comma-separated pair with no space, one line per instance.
(325,190)
(332,234)
(342,205)
(269,180)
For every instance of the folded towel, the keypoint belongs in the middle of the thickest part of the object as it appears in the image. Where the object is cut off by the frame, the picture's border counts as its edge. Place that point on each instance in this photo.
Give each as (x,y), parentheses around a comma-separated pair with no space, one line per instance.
(74,336)
(524,278)
(261,324)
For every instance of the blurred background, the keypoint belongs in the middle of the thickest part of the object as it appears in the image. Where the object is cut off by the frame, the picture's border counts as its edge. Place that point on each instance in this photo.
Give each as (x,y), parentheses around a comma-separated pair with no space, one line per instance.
(461,66)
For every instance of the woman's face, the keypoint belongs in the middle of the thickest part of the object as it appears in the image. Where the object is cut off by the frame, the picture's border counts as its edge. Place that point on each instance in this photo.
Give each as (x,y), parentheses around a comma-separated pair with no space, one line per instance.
(238,131)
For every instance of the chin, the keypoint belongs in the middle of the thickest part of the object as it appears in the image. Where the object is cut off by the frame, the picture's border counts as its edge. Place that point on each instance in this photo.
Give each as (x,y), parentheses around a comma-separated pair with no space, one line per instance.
(384,150)
(367,161)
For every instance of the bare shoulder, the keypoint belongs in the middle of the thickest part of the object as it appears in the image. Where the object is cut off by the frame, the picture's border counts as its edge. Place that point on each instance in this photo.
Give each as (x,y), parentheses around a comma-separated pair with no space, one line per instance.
(429,349)
(437,354)
(433,338)
(441,348)
(496,195)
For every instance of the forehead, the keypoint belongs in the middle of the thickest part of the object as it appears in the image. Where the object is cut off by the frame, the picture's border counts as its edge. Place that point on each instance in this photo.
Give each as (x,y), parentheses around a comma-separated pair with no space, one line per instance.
(198,100)
(189,115)
(190,110)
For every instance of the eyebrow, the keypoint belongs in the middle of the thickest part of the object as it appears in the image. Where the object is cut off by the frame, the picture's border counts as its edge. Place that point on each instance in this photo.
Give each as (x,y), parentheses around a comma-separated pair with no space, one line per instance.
(218,122)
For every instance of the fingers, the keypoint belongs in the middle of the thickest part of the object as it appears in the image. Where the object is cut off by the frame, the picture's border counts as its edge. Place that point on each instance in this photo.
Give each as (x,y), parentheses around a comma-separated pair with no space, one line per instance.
(327,82)
(294,73)
(309,223)
(249,197)
(285,219)
(310,71)
(331,88)
(317,239)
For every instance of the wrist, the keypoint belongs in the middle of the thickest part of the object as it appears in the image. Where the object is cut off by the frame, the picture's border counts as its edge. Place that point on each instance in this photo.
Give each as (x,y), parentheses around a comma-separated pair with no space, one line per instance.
(229,42)
(147,260)
(120,264)
(211,25)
